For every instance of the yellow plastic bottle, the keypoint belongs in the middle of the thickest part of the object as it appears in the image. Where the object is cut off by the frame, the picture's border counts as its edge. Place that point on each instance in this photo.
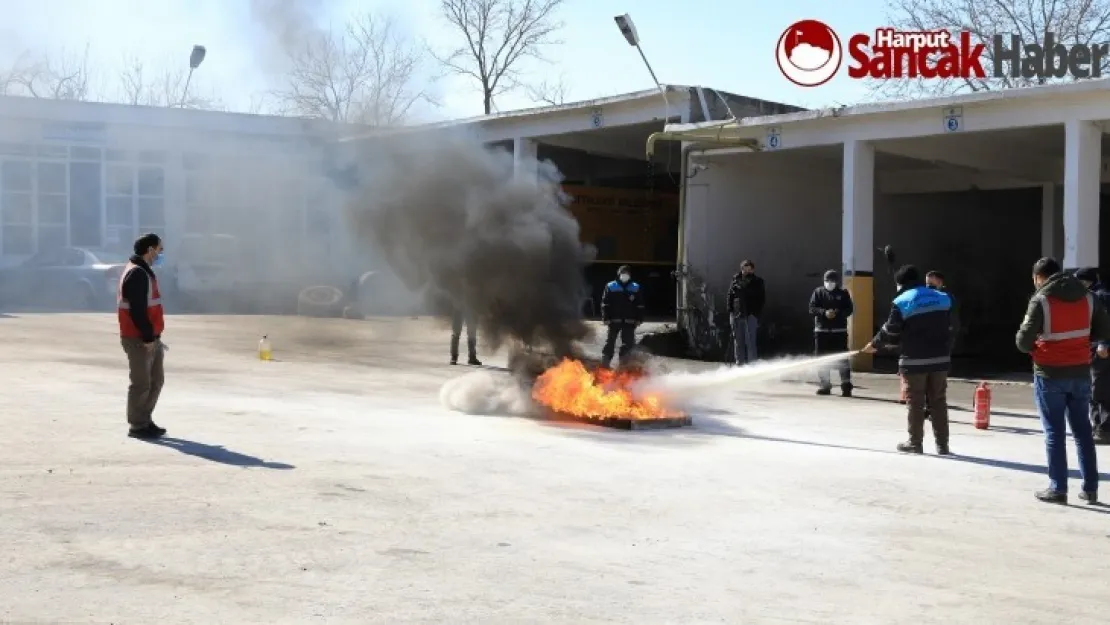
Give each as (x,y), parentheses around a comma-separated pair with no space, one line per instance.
(265,350)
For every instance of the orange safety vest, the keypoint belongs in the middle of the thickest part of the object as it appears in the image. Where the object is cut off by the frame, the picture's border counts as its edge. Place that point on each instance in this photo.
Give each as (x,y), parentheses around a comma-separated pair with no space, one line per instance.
(154,312)
(1065,340)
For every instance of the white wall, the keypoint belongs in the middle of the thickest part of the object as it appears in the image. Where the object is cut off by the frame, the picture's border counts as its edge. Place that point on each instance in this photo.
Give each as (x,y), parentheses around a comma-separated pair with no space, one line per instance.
(781,210)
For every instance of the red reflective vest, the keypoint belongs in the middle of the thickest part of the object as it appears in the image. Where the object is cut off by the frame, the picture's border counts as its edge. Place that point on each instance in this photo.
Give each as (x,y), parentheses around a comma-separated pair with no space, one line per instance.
(127,327)
(1065,339)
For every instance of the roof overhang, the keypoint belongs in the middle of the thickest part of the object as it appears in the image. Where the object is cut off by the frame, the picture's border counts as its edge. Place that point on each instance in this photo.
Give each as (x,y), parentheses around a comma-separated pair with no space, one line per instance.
(994,110)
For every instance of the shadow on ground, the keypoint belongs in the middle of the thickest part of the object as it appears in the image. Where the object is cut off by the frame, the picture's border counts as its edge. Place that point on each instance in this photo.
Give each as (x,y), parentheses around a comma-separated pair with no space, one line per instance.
(217,453)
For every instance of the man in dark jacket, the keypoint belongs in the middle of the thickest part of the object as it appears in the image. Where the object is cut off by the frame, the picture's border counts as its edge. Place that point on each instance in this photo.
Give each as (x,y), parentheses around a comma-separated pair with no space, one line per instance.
(1060,322)
(746,296)
(622,309)
(919,324)
(831,306)
(1100,367)
(935,280)
(141,323)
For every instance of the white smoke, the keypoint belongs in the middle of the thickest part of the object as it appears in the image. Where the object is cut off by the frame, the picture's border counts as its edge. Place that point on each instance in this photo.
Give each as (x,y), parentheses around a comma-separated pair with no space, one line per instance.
(807,57)
(482,392)
(680,387)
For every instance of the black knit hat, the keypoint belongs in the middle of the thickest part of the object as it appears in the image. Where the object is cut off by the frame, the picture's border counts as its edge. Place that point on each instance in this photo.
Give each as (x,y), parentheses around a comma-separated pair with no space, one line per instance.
(1087,274)
(832,276)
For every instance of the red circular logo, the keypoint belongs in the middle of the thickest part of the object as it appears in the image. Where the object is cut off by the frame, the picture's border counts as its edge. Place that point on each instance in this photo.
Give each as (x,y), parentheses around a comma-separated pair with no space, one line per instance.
(809,53)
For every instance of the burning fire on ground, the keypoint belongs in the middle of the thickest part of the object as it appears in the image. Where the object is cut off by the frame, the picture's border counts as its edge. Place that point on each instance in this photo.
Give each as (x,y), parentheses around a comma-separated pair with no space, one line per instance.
(570,388)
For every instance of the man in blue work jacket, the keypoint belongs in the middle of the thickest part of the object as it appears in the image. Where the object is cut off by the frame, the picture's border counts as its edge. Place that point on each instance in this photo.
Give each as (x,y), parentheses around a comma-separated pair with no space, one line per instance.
(622,309)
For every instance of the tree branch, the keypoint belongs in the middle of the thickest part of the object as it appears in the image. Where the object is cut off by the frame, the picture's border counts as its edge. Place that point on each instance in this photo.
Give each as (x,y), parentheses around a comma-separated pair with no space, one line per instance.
(497,35)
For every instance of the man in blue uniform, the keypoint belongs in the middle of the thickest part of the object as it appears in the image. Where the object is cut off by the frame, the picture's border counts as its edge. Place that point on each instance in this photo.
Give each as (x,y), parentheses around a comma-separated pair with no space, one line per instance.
(622,309)
(919,323)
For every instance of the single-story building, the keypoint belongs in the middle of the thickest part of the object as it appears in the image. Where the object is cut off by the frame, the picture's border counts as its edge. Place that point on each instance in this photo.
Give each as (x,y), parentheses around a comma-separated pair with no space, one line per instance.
(627,207)
(94,175)
(977,186)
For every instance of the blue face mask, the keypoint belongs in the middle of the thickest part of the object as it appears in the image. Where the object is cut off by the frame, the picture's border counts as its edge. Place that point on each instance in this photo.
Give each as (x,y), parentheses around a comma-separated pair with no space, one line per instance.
(159,259)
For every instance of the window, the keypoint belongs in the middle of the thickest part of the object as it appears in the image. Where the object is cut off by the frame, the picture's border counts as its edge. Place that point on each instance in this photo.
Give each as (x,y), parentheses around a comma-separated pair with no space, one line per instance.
(53,198)
(78,153)
(151,185)
(17,209)
(119,202)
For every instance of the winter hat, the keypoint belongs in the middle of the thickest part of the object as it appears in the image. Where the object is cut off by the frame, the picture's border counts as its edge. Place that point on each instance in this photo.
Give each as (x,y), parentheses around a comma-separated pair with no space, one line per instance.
(832,276)
(1087,274)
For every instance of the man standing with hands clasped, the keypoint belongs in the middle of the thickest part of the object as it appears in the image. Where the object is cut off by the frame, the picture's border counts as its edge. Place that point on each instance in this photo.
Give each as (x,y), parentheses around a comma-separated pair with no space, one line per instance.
(831,306)
(141,321)
(1061,321)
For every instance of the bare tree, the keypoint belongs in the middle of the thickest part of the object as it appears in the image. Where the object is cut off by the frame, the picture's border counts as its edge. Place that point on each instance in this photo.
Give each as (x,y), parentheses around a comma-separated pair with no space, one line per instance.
(142,85)
(61,77)
(497,35)
(1070,21)
(365,73)
(552,93)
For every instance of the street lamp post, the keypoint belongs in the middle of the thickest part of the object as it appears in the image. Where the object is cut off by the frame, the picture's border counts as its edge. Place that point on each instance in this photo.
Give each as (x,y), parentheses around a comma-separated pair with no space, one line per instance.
(195,59)
(628,29)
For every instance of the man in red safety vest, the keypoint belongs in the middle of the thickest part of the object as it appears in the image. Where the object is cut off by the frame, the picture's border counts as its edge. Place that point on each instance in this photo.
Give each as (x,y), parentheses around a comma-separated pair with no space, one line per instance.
(141,321)
(1061,321)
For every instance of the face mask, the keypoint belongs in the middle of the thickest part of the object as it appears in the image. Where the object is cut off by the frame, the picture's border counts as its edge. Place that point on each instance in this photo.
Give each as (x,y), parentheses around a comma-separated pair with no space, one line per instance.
(159,259)
(625,277)
(830,286)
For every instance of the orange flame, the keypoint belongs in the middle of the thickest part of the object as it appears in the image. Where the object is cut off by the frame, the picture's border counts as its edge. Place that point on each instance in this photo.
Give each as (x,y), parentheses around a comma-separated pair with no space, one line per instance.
(569,388)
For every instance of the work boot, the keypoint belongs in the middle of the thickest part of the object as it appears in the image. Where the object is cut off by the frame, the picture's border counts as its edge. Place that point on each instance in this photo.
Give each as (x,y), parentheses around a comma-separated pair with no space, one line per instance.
(454,360)
(607,363)
(909,447)
(474,362)
(942,449)
(824,390)
(150,432)
(846,389)
(1051,496)
(1090,496)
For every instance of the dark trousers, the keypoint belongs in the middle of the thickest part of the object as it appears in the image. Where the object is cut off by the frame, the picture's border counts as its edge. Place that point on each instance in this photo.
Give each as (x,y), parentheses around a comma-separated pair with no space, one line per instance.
(832,343)
(1100,395)
(927,388)
(145,366)
(457,323)
(627,334)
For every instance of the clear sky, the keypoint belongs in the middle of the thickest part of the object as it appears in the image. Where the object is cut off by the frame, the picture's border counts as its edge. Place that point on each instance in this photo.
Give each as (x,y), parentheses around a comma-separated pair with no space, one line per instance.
(725,45)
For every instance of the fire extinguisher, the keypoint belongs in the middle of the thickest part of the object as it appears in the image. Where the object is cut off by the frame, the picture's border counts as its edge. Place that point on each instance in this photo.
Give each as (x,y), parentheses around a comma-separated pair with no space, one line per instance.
(904,390)
(982,405)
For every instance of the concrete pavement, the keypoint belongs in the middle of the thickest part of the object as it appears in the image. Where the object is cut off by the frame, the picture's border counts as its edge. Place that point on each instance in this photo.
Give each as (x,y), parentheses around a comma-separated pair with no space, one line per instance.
(330,487)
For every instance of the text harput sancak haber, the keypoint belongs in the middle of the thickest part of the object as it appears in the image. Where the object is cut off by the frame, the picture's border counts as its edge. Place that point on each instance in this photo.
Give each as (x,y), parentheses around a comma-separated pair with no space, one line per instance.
(937,54)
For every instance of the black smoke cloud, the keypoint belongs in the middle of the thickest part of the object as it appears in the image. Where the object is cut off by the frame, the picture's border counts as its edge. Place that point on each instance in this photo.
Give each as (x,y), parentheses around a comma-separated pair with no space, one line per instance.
(452,221)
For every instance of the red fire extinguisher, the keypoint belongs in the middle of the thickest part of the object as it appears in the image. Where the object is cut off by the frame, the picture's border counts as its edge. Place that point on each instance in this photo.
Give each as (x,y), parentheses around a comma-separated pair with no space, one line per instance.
(904,390)
(982,405)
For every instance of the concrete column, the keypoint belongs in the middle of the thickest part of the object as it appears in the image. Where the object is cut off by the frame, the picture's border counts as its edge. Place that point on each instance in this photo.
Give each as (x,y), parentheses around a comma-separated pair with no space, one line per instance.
(524,157)
(1082,170)
(858,245)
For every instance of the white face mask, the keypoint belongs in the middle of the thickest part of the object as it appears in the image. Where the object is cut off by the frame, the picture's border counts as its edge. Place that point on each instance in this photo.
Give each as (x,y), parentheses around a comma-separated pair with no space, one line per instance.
(624,277)
(829,285)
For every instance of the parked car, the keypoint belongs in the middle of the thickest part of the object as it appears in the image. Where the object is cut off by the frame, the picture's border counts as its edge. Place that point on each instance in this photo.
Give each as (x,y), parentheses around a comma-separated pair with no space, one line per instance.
(71,278)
